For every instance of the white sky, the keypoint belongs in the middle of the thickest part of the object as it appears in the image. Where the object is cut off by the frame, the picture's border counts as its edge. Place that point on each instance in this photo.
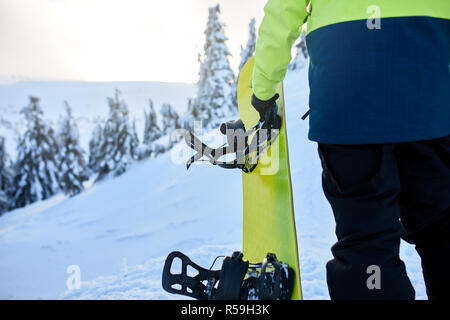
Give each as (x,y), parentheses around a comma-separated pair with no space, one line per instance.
(114,40)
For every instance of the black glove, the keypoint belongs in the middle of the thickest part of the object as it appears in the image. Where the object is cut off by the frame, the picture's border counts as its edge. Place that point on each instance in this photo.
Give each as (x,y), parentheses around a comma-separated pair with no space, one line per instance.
(267,109)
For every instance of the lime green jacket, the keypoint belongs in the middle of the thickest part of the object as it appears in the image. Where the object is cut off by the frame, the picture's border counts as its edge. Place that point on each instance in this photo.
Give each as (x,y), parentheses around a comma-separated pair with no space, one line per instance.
(399,43)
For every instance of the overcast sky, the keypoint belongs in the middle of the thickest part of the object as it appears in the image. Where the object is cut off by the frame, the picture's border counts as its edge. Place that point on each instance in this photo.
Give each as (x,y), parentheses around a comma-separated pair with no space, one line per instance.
(114,40)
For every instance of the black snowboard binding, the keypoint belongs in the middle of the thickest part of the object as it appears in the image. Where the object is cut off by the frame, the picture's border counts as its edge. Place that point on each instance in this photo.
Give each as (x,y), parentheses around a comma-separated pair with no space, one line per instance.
(247,154)
(237,280)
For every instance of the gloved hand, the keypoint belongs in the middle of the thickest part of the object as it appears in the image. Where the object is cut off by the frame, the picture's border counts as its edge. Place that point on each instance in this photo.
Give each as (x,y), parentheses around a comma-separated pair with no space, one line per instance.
(267,110)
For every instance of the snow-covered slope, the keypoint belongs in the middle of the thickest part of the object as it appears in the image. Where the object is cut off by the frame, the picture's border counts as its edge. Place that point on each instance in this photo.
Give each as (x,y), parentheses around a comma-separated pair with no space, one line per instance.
(153,209)
(120,231)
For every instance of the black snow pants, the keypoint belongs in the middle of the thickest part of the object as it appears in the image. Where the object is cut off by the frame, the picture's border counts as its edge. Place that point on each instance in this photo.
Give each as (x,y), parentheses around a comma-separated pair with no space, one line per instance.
(380,193)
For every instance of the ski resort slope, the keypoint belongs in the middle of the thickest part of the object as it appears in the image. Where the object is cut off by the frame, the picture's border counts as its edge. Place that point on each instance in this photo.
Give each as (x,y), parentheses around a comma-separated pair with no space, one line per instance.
(119,232)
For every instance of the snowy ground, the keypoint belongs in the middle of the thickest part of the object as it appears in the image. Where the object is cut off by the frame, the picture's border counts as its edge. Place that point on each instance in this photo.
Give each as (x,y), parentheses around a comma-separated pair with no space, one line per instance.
(119,232)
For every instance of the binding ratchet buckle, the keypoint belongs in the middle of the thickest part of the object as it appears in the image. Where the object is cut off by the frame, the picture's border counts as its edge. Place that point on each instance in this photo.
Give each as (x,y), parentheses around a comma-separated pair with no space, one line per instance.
(246,154)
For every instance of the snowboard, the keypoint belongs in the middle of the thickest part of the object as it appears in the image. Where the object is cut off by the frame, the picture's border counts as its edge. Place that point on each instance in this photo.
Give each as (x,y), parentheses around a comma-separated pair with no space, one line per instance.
(268,223)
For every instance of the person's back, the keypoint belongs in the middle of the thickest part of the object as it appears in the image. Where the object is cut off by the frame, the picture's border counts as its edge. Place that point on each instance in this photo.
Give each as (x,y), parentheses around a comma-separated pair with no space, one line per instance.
(380,111)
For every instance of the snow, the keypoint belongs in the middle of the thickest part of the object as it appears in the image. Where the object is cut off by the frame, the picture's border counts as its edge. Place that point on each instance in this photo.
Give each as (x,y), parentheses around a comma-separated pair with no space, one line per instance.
(119,231)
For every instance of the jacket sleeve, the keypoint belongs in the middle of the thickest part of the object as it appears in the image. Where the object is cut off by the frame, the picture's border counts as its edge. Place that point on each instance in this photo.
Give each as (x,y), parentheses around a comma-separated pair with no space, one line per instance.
(279,29)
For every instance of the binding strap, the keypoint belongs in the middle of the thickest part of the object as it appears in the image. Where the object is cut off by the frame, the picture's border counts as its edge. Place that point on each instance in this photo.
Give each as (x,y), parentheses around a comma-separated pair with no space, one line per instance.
(237,143)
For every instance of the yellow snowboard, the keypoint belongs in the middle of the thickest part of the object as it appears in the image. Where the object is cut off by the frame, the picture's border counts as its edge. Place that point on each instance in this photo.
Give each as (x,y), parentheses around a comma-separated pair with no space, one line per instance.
(269,224)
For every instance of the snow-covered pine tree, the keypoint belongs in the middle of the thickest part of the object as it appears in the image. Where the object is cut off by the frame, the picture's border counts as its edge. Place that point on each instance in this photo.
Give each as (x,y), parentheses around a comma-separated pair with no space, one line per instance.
(170,119)
(6,179)
(95,143)
(249,50)
(170,122)
(246,53)
(36,169)
(119,143)
(187,119)
(135,141)
(71,163)
(135,137)
(302,54)
(194,112)
(152,131)
(215,98)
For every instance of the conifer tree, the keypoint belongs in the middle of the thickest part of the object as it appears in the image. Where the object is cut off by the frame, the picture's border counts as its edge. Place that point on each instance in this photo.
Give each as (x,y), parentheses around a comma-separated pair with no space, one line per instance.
(152,131)
(170,119)
(246,53)
(119,142)
(249,50)
(36,169)
(170,122)
(6,179)
(95,143)
(215,99)
(71,163)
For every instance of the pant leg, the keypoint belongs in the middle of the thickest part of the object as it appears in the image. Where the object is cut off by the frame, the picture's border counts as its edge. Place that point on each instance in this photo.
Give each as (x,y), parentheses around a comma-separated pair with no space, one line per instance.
(424,169)
(361,184)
